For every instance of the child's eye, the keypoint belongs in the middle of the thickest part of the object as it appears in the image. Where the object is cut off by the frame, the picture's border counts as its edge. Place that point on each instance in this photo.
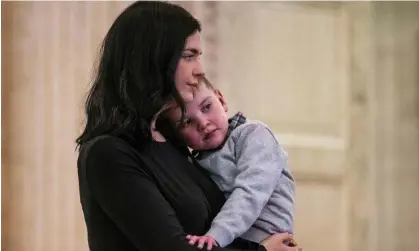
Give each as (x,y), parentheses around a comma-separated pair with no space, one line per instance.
(206,108)
(187,122)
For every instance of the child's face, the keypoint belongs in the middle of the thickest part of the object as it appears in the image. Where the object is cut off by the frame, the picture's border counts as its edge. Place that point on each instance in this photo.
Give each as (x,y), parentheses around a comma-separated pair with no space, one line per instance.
(205,123)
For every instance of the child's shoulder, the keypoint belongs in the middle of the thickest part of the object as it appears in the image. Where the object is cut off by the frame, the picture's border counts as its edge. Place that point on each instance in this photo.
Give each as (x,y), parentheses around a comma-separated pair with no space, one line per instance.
(255,132)
(253,124)
(251,127)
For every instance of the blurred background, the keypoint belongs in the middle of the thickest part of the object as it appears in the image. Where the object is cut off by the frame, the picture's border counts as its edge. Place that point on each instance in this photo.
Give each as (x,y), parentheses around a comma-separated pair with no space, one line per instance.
(337,81)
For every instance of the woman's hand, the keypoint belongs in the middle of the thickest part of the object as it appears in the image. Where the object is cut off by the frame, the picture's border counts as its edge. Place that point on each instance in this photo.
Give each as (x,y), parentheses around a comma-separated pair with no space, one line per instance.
(277,242)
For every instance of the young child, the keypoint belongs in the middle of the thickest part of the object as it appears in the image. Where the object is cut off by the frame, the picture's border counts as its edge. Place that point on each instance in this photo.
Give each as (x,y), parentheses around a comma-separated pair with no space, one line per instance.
(245,160)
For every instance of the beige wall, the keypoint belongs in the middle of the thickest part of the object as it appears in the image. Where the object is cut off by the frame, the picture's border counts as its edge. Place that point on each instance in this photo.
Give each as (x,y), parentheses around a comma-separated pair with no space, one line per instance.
(47,54)
(345,76)
(396,144)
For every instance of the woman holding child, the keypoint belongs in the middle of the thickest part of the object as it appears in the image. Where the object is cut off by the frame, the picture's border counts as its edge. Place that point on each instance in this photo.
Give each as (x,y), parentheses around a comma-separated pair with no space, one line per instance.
(137,190)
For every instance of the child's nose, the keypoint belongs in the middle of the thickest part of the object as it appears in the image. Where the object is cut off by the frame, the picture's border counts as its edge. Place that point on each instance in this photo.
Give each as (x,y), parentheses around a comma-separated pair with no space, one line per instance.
(203,123)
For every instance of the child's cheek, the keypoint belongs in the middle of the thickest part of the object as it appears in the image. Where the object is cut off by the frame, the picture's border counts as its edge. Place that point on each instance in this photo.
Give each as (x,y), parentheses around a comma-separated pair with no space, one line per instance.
(187,136)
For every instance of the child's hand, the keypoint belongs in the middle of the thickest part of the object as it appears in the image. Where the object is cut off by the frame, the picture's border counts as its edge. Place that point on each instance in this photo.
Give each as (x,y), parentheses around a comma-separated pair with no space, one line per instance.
(201,241)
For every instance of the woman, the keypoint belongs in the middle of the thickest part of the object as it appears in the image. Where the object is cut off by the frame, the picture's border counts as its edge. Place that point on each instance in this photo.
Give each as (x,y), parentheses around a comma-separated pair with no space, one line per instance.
(139,192)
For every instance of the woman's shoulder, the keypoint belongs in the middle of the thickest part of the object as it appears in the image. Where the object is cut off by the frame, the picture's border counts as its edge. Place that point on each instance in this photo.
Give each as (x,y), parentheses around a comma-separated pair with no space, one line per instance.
(105,145)
(111,148)
(123,146)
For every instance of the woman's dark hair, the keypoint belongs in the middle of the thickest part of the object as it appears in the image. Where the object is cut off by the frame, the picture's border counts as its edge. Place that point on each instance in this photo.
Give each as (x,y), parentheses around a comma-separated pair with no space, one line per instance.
(136,69)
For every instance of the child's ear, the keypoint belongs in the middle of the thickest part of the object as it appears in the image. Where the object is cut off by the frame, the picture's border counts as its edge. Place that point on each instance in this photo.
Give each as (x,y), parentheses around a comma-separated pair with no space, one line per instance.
(169,131)
(221,99)
(164,126)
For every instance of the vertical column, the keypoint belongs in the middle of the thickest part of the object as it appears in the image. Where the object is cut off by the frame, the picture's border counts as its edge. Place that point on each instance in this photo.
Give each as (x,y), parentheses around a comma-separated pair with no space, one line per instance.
(383,157)
(48,57)
(405,82)
(361,160)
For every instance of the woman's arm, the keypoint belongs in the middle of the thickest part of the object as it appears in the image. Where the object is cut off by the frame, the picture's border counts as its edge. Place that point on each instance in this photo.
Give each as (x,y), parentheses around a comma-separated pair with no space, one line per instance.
(132,200)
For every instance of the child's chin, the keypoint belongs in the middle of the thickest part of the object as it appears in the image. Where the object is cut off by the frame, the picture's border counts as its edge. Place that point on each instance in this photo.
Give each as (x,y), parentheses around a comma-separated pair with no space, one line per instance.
(215,144)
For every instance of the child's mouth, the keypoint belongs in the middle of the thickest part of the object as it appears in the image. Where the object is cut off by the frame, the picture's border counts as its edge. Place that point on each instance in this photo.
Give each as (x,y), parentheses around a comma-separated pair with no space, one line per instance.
(209,135)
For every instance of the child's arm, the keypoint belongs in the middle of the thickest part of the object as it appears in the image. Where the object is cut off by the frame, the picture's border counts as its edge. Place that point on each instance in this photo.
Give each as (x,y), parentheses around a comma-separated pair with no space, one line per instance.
(260,162)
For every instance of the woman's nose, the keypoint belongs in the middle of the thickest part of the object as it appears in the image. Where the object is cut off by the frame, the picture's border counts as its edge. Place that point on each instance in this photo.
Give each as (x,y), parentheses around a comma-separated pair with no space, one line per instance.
(198,69)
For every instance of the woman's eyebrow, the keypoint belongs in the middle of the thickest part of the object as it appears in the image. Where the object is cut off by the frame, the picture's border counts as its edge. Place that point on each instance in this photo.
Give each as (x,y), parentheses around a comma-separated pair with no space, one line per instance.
(193,50)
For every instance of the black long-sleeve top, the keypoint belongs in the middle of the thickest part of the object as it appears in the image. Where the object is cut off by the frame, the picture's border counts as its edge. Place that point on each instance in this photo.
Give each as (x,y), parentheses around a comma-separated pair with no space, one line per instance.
(145,197)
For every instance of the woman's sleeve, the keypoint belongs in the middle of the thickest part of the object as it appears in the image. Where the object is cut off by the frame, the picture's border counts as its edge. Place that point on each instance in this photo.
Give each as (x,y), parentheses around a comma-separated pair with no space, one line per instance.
(132,200)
